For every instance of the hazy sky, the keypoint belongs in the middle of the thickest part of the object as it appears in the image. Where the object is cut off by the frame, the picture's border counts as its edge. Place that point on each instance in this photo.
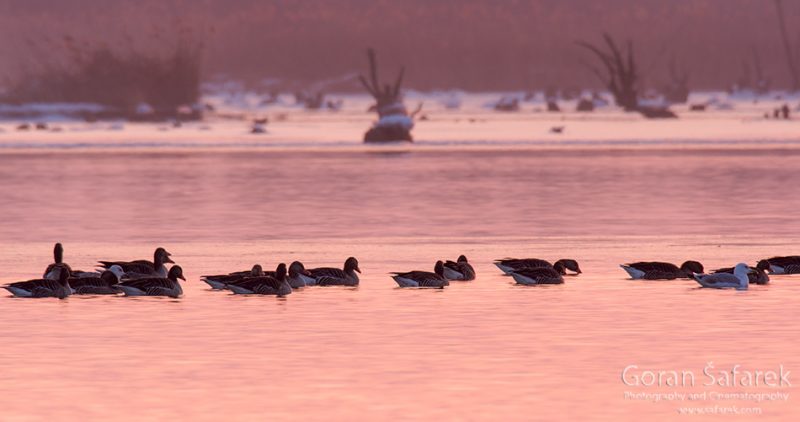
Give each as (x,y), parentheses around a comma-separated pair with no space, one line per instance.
(473,44)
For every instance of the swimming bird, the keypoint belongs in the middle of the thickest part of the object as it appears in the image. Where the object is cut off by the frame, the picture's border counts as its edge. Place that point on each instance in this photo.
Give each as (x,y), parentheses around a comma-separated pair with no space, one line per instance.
(782,264)
(52,271)
(433,279)
(217,282)
(265,285)
(507,265)
(155,286)
(459,270)
(662,270)
(337,277)
(42,287)
(139,268)
(299,276)
(738,280)
(105,284)
(535,276)
(87,274)
(757,274)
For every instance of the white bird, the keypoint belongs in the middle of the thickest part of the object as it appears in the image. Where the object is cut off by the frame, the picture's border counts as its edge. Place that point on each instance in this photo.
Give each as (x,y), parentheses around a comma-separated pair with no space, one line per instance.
(738,280)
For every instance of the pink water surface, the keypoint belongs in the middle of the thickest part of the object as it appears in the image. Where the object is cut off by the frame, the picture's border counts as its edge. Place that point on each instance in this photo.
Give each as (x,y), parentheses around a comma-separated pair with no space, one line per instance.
(484,350)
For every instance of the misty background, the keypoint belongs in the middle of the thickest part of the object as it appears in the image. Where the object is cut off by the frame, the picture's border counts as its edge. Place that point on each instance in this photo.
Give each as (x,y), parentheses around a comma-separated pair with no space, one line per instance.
(468,44)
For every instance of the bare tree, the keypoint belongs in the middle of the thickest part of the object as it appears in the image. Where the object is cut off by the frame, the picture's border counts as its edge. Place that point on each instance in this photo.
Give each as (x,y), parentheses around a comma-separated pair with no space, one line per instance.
(394,122)
(621,74)
(761,84)
(677,92)
(787,47)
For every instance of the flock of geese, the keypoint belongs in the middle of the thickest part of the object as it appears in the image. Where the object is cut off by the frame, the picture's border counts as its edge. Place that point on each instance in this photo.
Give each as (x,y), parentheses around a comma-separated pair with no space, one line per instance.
(152,278)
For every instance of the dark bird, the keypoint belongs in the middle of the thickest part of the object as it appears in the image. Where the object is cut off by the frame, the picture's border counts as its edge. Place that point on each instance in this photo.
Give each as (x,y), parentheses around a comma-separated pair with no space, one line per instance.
(347,276)
(53,270)
(155,286)
(662,270)
(218,282)
(507,265)
(535,276)
(433,279)
(139,268)
(264,285)
(105,284)
(42,287)
(782,264)
(299,276)
(460,270)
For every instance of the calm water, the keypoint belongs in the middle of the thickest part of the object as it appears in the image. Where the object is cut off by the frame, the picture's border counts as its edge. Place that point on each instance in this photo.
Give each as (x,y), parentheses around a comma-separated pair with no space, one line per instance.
(485,350)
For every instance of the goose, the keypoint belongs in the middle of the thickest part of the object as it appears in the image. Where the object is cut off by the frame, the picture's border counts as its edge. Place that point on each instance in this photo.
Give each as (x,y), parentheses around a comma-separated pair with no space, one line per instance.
(662,270)
(88,274)
(535,276)
(782,264)
(299,276)
(155,286)
(105,284)
(52,272)
(459,270)
(42,287)
(738,280)
(435,279)
(265,285)
(757,274)
(336,277)
(507,265)
(217,282)
(143,268)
